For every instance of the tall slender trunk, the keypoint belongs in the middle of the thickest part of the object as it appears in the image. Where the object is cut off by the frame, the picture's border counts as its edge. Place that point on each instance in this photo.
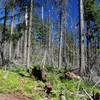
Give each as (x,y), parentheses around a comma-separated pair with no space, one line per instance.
(17,51)
(81,39)
(22,48)
(64,16)
(12,30)
(18,43)
(99,39)
(29,34)
(25,38)
(88,46)
(65,40)
(49,39)
(60,43)
(42,23)
(3,33)
(72,51)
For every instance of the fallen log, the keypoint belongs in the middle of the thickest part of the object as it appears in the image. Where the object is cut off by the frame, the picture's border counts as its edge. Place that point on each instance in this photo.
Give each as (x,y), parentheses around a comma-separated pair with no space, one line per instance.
(88,94)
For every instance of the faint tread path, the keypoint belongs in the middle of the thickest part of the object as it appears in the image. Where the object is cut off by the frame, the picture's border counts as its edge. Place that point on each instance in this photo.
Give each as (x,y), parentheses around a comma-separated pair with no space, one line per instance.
(17,96)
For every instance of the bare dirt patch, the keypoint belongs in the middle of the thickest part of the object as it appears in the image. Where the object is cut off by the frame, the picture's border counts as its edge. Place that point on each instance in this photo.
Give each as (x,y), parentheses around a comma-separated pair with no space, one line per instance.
(16,96)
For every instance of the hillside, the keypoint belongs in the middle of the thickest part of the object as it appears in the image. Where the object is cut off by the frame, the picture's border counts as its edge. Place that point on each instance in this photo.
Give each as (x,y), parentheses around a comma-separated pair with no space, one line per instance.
(14,86)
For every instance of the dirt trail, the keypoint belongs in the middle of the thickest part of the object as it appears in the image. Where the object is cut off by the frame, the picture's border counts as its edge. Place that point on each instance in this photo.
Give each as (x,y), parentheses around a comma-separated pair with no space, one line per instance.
(17,96)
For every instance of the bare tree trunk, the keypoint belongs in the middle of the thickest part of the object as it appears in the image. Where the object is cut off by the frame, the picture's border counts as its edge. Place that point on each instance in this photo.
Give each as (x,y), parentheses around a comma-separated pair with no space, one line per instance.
(60,50)
(18,47)
(12,29)
(65,40)
(49,40)
(22,48)
(42,23)
(88,46)
(18,44)
(29,35)
(81,39)
(98,39)
(64,13)
(60,43)
(72,53)
(25,38)
(3,33)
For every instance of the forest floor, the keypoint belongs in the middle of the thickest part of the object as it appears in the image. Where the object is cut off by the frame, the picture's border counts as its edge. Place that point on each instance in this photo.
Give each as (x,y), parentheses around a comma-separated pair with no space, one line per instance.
(13,86)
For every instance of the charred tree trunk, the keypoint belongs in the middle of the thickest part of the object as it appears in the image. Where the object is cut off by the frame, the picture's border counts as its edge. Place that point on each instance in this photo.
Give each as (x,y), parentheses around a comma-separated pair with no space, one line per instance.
(29,34)
(4,33)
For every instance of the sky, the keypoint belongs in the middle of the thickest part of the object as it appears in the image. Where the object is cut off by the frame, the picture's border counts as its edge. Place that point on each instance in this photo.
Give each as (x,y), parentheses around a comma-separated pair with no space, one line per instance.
(72,13)
(71,10)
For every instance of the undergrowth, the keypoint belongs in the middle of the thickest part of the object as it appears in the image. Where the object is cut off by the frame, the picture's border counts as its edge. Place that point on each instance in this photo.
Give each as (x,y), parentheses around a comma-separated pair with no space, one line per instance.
(11,82)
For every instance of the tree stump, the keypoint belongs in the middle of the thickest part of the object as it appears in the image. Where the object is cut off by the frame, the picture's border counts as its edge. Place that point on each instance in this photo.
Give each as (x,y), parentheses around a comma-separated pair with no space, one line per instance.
(48,88)
(61,96)
(38,74)
(95,96)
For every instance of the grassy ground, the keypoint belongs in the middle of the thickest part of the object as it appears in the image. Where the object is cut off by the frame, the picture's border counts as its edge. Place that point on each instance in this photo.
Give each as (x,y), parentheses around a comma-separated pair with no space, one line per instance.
(12,82)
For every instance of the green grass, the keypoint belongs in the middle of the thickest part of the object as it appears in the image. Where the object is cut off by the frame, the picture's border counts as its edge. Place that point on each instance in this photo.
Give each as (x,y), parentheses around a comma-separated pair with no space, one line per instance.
(11,82)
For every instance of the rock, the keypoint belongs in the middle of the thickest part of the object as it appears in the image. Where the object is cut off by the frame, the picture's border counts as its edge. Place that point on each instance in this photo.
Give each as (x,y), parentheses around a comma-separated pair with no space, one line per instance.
(70,75)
